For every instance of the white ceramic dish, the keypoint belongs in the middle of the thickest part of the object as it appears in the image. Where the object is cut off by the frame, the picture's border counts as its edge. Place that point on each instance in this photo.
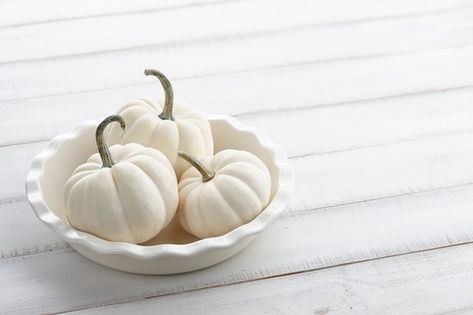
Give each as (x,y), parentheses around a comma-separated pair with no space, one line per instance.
(173,250)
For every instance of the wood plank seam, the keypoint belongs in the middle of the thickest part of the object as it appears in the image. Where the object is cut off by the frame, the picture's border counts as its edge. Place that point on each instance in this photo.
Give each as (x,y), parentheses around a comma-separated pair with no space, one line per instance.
(360,193)
(420,38)
(228,37)
(295,109)
(35,251)
(245,70)
(28,252)
(344,204)
(264,278)
(445,134)
(426,136)
(125,13)
(356,101)
(184,6)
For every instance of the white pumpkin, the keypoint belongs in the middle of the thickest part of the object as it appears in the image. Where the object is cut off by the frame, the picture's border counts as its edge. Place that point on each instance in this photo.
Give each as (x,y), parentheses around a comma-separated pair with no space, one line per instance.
(165,126)
(222,192)
(129,200)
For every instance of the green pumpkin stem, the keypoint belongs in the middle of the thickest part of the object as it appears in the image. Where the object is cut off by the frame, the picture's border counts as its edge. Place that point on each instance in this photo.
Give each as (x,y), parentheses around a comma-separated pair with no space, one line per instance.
(206,173)
(168,93)
(104,152)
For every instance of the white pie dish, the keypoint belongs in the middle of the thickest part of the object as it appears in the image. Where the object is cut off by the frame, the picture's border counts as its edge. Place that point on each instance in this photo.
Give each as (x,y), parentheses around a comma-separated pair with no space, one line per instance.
(173,250)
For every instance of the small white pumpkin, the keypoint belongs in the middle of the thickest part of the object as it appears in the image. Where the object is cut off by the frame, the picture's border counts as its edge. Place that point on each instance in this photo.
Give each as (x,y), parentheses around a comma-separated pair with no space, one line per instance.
(222,192)
(130,200)
(169,128)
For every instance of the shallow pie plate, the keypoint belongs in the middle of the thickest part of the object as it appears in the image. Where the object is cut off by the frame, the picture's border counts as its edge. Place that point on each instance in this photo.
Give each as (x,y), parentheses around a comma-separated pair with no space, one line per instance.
(173,250)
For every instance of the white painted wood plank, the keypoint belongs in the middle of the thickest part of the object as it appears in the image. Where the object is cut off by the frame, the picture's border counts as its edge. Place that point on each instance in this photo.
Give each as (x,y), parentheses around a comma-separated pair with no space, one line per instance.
(170,27)
(54,10)
(21,233)
(49,283)
(348,41)
(202,24)
(336,128)
(433,282)
(47,11)
(325,180)
(366,123)
(15,162)
(319,84)
(377,172)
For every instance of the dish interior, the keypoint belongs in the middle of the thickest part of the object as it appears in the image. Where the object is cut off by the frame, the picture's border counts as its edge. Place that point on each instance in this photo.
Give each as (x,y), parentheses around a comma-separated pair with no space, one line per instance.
(76,149)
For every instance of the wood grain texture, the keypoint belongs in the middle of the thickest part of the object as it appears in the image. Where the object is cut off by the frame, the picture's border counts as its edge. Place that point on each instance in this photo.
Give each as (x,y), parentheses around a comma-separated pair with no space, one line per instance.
(379,92)
(399,225)
(191,25)
(433,282)
(306,240)
(335,128)
(301,45)
(55,11)
(50,11)
(327,182)
(22,234)
(349,163)
(257,91)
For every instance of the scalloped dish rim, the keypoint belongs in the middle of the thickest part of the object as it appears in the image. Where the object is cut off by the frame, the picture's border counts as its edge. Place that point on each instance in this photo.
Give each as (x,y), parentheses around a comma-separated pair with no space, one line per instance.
(277,205)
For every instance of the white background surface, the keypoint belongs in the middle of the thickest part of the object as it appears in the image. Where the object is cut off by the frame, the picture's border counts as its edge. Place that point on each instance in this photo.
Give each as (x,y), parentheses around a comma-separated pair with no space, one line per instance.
(372,100)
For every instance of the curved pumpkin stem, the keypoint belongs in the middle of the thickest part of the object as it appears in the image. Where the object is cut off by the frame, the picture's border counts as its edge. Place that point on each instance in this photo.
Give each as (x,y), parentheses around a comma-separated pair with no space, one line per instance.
(168,93)
(104,152)
(206,173)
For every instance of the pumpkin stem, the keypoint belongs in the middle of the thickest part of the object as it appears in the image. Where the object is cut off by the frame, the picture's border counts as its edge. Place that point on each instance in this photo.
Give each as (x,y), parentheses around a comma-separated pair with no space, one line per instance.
(104,152)
(168,93)
(206,173)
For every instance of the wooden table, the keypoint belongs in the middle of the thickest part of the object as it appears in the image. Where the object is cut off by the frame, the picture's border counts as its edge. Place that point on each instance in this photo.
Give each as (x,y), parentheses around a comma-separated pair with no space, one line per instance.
(372,100)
